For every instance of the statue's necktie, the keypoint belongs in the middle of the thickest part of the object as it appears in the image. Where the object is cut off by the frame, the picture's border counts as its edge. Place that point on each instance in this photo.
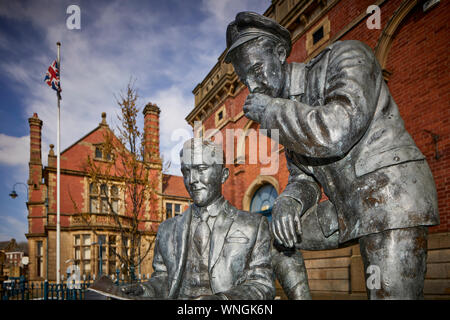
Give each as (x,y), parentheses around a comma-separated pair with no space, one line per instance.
(201,235)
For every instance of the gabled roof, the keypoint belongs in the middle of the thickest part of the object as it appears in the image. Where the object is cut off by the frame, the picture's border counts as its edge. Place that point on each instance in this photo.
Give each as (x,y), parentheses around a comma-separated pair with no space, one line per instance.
(82,138)
(102,124)
(174,186)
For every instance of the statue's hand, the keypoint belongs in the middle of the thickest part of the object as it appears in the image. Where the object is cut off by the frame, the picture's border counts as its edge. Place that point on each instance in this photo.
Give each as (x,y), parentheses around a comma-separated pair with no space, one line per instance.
(140,290)
(286,226)
(255,106)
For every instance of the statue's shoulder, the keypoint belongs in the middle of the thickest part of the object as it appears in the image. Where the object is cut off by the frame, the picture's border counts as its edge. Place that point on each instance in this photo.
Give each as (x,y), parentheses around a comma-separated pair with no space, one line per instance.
(356,46)
(245,217)
(165,225)
(339,51)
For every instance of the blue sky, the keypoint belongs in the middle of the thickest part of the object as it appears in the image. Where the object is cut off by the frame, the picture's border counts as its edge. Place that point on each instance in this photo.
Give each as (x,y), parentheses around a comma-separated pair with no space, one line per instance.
(167,46)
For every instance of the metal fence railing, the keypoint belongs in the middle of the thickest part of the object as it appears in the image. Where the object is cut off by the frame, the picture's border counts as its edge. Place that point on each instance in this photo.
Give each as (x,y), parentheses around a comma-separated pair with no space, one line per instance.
(22,289)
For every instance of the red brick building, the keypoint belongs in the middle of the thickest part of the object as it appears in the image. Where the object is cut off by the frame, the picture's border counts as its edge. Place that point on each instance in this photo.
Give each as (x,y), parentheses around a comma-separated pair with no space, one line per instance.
(11,255)
(79,244)
(412,46)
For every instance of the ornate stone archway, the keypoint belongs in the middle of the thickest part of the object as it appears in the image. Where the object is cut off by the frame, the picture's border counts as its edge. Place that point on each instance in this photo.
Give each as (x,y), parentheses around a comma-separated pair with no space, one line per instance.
(387,36)
(254,186)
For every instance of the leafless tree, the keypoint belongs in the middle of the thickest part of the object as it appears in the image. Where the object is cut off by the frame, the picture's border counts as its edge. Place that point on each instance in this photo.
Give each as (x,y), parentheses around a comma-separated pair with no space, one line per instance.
(125,168)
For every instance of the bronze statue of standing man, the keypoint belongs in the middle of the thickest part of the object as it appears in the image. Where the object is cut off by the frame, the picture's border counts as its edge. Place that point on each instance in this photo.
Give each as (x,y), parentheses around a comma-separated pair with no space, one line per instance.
(342,131)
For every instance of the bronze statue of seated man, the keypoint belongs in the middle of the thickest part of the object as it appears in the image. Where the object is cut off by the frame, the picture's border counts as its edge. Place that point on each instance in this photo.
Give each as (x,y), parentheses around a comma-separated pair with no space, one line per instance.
(212,250)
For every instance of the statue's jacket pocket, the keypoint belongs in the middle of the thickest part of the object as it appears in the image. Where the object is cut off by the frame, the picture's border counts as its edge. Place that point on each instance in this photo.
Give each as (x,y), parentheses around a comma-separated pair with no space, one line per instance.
(235,246)
(236,240)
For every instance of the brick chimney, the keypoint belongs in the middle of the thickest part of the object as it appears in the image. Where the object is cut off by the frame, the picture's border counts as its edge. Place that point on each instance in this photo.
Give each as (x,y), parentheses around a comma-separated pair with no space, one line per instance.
(35,164)
(151,133)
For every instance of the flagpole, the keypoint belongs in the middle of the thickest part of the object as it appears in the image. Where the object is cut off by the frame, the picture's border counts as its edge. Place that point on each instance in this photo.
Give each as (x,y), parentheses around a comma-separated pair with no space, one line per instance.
(58,173)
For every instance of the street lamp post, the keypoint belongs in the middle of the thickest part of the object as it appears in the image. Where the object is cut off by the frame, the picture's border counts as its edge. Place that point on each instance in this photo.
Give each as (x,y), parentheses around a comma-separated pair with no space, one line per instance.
(14,194)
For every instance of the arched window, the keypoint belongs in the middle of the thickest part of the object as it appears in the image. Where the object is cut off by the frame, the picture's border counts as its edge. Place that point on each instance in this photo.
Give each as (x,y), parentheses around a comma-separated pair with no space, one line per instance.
(263,200)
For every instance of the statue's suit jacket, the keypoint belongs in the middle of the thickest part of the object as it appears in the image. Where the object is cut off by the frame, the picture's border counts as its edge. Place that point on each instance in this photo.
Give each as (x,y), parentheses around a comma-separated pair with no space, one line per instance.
(239,257)
(341,128)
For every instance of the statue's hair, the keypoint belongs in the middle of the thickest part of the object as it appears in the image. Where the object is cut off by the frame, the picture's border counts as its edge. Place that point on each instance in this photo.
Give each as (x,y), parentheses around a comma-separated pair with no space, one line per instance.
(207,143)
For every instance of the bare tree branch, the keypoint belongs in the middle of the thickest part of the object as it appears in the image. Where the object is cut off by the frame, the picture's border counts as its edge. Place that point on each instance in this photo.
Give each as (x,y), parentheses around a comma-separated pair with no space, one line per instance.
(123,166)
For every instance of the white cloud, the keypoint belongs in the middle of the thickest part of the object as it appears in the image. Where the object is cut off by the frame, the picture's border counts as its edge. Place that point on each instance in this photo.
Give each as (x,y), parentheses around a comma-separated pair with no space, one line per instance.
(14,151)
(174,105)
(11,227)
(98,60)
(222,12)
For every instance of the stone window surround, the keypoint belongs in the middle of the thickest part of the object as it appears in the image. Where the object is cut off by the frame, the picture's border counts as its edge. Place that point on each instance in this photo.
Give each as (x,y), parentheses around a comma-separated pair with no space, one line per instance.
(98,147)
(82,252)
(217,120)
(173,203)
(109,259)
(97,196)
(310,45)
(94,253)
(40,258)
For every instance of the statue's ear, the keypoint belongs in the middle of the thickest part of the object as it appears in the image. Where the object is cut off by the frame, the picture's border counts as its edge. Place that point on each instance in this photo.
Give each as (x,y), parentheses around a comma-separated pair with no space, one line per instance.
(225,174)
(281,52)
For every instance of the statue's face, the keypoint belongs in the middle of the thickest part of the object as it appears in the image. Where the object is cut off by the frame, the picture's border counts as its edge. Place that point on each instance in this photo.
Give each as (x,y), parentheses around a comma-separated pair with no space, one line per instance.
(204,182)
(259,65)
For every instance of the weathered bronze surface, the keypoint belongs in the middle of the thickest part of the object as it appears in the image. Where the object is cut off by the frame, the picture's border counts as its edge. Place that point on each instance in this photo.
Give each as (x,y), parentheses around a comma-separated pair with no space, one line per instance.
(212,250)
(342,131)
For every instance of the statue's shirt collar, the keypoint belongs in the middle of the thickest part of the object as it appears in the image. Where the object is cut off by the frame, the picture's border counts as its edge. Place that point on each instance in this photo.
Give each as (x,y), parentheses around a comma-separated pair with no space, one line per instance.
(213,209)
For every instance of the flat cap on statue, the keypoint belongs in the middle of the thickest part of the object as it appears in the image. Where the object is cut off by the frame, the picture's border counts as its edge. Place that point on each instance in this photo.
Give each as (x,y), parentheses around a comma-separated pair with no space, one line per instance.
(250,25)
(199,151)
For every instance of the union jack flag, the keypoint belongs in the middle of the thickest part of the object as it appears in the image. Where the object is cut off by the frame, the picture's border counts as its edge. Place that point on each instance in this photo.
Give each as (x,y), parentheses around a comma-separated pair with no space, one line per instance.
(52,77)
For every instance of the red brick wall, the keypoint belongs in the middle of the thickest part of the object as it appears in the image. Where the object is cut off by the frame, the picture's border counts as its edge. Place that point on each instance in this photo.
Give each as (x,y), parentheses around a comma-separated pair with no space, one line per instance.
(75,157)
(360,31)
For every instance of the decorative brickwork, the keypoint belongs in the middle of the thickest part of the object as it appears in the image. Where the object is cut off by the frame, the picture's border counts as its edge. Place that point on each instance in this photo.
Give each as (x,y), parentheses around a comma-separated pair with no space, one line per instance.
(151,133)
